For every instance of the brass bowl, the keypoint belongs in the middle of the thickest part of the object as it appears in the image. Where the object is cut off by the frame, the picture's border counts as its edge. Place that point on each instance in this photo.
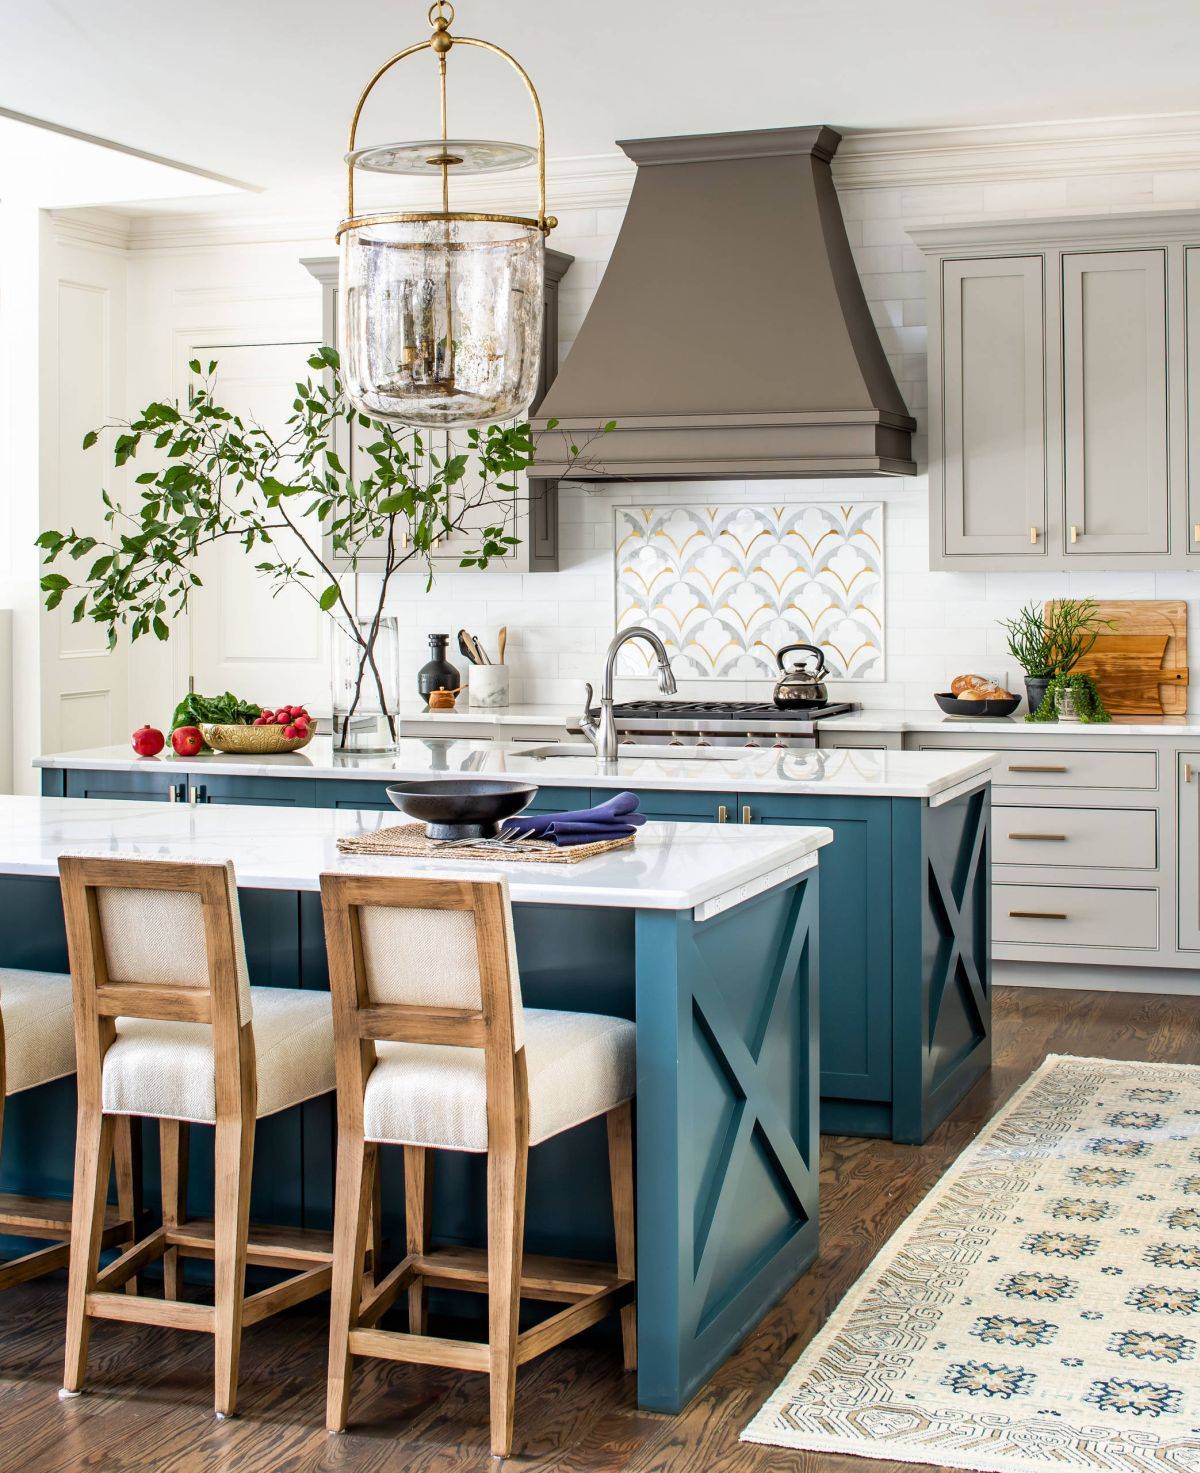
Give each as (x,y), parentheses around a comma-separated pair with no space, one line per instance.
(253,741)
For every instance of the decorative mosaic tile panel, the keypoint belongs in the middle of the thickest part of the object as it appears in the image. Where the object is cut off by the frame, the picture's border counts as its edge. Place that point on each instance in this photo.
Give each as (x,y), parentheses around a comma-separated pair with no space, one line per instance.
(726,586)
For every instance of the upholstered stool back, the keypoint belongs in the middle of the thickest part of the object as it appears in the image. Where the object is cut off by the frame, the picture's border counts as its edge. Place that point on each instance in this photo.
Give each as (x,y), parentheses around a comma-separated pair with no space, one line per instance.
(428,955)
(158,939)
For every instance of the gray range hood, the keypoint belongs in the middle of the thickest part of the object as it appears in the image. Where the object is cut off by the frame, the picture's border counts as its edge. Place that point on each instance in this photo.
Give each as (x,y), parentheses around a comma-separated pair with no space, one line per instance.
(730,337)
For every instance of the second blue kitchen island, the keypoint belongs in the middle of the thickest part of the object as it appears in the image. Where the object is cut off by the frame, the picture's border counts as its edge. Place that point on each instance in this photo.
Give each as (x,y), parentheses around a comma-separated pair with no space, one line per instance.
(905,975)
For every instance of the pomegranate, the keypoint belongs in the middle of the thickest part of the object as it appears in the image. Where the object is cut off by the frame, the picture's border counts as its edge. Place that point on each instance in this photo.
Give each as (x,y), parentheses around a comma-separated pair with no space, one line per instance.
(148,741)
(187,741)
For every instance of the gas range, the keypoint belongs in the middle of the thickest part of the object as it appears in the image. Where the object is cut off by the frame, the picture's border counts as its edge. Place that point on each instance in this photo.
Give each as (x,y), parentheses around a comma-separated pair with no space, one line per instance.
(721,723)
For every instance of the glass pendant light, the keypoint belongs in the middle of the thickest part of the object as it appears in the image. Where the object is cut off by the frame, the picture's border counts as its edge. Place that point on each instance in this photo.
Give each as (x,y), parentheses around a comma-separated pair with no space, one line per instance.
(441,310)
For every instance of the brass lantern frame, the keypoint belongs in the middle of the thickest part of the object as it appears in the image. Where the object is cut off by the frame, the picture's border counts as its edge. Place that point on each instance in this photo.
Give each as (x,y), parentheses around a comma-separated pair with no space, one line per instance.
(440,43)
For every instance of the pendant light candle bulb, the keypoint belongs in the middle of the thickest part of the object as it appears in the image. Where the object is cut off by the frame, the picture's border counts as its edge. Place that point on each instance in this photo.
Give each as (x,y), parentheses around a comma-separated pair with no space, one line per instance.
(441,310)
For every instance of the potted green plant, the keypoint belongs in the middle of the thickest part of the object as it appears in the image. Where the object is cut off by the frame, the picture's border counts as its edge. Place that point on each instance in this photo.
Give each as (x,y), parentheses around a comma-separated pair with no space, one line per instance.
(1051,642)
(1071,697)
(290,502)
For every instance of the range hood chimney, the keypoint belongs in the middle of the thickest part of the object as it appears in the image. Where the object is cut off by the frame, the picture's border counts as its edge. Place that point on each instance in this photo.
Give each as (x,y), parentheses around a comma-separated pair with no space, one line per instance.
(730,337)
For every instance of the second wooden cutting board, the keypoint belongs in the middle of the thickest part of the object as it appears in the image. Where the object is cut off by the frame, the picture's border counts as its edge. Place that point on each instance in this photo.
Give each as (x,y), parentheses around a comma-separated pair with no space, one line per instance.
(1140,663)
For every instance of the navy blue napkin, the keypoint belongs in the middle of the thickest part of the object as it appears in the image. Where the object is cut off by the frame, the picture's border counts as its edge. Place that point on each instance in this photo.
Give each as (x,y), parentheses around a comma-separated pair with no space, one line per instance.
(616,818)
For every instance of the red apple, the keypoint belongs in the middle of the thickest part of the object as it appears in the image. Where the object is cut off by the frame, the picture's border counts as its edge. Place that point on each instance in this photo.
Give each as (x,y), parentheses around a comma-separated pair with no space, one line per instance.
(187,741)
(148,741)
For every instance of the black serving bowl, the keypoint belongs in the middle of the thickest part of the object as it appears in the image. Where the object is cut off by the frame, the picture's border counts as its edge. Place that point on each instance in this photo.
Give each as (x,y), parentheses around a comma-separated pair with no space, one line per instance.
(462,807)
(954,707)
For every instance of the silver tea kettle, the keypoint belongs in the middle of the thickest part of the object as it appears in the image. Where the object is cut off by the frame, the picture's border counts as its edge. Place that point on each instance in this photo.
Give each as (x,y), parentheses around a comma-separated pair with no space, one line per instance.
(800,686)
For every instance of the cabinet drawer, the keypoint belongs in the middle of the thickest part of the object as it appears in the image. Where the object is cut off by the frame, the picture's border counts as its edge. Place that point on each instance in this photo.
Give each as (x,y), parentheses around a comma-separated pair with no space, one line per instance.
(1100,838)
(1075,915)
(1054,767)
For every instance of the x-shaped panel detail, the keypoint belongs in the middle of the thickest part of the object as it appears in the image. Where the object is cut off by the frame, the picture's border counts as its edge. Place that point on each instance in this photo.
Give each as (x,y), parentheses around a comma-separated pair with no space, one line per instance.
(954,905)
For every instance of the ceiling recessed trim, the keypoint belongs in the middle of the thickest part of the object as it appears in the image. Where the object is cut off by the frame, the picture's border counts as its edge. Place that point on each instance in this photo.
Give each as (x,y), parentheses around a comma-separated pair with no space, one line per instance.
(901,158)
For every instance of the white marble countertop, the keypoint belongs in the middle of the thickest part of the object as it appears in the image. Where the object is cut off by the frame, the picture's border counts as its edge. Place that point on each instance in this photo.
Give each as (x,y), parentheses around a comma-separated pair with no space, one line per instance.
(882,719)
(935,720)
(669,867)
(936,776)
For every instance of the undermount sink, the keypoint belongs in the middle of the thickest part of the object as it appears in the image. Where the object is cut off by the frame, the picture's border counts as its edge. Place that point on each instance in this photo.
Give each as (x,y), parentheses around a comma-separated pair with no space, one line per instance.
(638,752)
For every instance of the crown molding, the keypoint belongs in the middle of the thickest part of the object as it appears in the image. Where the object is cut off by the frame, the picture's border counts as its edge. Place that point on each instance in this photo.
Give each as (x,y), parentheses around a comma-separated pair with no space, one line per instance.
(986,154)
(94,227)
(1036,232)
(865,160)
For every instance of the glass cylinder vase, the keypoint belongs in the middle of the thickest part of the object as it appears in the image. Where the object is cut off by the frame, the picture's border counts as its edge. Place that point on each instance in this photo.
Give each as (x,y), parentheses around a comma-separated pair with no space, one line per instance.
(366,687)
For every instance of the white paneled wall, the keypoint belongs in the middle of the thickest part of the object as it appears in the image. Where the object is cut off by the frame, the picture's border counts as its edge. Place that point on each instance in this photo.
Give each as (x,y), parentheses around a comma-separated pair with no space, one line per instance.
(560,623)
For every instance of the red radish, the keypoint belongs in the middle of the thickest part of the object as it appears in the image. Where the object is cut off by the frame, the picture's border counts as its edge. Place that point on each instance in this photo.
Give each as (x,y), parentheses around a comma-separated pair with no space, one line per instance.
(148,741)
(292,733)
(187,741)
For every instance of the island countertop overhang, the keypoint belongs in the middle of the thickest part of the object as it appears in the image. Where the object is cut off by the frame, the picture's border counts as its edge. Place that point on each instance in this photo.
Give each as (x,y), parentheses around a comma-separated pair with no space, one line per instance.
(934,776)
(669,867)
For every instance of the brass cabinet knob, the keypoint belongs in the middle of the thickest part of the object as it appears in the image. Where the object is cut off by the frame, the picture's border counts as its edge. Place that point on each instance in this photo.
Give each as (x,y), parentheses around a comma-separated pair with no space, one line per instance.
(1033,536)
(1189,772)
(722,813)
(1074,534)
(747,816)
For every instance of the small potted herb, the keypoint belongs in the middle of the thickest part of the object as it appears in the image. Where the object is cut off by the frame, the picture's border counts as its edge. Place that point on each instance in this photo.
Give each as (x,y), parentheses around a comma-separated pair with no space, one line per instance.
(1050,643)
(1071,698)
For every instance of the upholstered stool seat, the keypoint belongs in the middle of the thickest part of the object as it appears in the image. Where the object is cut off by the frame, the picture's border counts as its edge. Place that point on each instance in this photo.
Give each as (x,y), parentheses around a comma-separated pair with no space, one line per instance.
(423,1094)
(39,1029)
(168,1026)
(437,1051)
(37,1046)
(165,1069)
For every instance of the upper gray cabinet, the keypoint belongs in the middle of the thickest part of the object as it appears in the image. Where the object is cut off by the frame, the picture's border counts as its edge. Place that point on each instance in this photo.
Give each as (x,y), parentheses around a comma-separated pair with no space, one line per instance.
(1064,387)
(1114,306)
(992,445)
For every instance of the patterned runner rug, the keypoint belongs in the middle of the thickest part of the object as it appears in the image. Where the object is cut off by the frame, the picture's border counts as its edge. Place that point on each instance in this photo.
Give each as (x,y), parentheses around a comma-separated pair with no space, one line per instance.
(1040,1310)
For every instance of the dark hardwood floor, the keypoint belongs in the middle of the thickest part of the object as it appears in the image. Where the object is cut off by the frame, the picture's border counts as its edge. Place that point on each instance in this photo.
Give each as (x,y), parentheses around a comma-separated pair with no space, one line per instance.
(149,1406)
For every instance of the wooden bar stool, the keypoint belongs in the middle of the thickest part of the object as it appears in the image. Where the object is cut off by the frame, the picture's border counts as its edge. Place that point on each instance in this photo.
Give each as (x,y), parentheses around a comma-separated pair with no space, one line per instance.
(168,1026)
(37,1046)
(436,1051)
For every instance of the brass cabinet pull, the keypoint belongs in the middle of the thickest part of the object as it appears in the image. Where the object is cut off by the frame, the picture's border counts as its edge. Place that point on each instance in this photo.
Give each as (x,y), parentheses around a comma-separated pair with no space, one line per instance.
(722,813)
(1015,767)
(1038,915)
(1074,534)
(1189,772)
(746,814)
(1196,531)
(1042,838)
(1033,536)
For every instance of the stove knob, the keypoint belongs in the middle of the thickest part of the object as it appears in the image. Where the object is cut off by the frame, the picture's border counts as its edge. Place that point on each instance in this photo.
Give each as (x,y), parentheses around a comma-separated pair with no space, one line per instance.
(676,740)
(780,741)
(750,741)
(703,741)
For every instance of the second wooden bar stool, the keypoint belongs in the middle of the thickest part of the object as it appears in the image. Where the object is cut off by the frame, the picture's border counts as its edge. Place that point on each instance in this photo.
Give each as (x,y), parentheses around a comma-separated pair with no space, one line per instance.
(436,1051)
(168,1026)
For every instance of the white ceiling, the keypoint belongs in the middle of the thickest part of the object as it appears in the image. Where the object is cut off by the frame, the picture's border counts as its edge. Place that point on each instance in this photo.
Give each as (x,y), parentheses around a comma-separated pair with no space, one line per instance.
(262,90)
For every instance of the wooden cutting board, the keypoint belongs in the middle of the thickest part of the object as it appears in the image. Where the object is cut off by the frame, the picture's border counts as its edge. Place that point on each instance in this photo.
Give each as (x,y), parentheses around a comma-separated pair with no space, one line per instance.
(1140,664)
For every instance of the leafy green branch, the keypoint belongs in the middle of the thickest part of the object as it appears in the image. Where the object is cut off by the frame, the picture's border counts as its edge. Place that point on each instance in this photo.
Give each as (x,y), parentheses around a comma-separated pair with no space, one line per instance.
(289,501)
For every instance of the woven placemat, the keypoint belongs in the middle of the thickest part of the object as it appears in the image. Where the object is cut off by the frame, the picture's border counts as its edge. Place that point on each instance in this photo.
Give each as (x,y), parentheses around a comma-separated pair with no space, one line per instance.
(409,841)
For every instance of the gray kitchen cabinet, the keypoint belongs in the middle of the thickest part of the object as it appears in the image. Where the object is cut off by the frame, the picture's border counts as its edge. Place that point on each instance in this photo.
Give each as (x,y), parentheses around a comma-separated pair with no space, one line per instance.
(1099,318)
(989,461)
(533,516)
(1192,372)
(1188,788)
(1115,401)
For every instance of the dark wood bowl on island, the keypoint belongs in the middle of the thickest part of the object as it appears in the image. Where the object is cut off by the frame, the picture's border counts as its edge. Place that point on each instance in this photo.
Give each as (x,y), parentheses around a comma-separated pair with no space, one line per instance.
(462,807)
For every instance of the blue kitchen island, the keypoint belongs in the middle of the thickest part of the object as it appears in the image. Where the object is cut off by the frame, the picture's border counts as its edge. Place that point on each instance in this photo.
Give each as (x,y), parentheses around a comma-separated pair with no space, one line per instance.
(708,941)
(905,975)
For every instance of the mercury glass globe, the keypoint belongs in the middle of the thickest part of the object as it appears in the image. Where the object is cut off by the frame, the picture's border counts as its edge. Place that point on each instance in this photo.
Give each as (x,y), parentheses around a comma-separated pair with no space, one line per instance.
(441,319)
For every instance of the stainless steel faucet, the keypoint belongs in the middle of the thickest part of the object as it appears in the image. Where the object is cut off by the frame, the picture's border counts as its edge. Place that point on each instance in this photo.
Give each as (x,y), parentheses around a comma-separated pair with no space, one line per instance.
(603,734)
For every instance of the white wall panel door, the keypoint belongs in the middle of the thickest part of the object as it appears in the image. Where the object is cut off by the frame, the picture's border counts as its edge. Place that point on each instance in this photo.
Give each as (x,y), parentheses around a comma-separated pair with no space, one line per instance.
(84,684)
(240,637)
